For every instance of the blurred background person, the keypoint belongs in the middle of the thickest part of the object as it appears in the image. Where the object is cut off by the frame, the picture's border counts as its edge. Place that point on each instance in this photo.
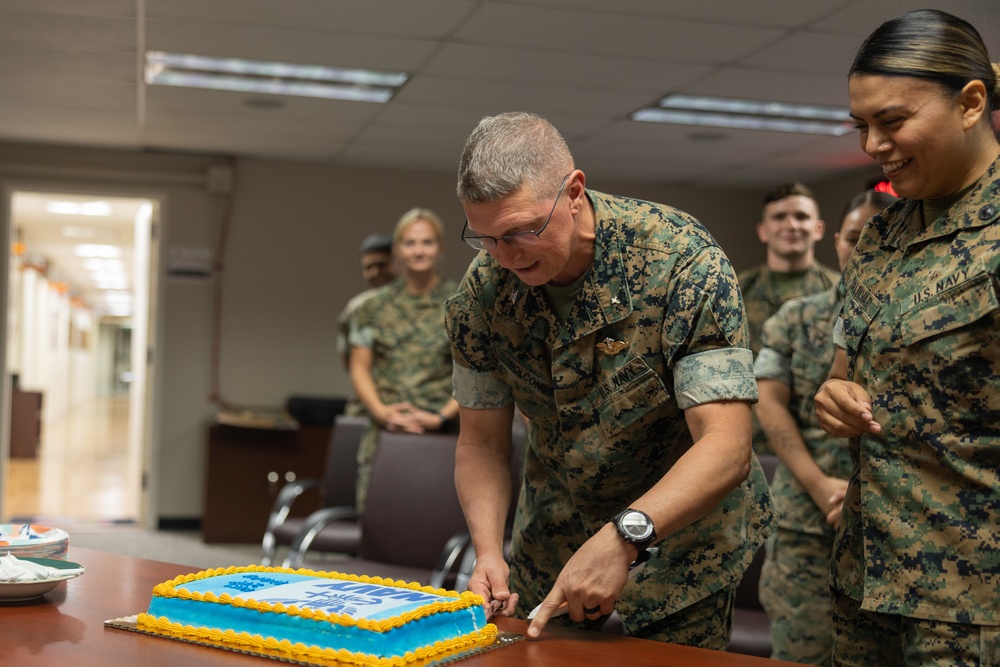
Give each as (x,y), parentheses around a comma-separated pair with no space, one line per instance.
(400,354)
(789,228)
(809,483)
(377,268)
(917,384)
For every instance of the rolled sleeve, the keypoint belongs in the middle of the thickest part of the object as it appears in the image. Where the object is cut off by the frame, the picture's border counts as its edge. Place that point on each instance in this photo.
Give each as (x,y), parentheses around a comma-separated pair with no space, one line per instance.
(361,337)
(839,338)
(772,365)
(478,390)
(724,374)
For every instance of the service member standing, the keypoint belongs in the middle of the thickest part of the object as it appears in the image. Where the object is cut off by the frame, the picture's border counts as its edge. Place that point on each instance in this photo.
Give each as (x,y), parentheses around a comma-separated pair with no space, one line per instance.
(916,566)
(616,326)
(808,487)
(400,355)
(789,228)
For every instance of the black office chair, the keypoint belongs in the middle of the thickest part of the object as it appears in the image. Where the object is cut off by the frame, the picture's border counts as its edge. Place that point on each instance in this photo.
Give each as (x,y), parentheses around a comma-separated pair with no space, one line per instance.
(341,532)
(411,512)
(460,546)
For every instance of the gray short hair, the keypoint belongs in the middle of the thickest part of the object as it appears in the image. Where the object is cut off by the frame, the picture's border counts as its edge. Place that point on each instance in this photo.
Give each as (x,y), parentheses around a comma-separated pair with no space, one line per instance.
(508,151)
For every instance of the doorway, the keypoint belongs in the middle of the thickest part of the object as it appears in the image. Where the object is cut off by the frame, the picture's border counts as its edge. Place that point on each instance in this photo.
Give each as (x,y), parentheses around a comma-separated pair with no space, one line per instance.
(81,285)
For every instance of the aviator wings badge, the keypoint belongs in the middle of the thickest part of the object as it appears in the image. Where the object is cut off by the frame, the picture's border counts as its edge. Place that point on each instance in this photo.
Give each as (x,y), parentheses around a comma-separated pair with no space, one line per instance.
(610,346)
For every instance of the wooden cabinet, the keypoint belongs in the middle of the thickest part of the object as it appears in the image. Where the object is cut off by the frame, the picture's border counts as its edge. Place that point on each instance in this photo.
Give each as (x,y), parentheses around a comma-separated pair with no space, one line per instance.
(246,469)
(25,423)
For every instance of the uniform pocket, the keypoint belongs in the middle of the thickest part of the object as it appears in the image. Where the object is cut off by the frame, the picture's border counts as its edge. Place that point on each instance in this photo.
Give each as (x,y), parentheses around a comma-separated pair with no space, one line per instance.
(630,394)
(951,309)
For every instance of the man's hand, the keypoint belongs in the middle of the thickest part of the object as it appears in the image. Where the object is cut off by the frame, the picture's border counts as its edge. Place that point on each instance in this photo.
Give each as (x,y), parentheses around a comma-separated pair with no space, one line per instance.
(844,409)
(489,580)
(590,582)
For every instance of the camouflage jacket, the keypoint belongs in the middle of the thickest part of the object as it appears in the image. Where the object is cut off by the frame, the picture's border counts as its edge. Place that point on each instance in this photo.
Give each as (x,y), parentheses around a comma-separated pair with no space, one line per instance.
(798,351)
(921,527)
(657,327)
(344,322)
(410,349)
(346,316)
(762,296)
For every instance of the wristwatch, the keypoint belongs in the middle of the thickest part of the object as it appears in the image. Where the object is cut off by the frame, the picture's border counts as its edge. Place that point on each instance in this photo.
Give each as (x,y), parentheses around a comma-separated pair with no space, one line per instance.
(636,528)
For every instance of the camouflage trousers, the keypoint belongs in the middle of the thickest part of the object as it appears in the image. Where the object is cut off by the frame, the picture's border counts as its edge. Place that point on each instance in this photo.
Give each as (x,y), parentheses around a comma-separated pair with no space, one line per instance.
(862,638)
(366,462)
(795,593)
(707,623)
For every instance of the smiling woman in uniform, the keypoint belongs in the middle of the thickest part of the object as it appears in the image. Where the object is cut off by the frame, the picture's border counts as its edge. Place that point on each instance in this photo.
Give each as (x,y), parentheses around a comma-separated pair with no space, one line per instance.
(916,385)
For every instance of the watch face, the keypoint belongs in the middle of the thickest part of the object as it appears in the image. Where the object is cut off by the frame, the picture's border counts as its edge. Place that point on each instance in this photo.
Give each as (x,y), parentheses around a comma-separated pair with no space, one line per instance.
(635,525)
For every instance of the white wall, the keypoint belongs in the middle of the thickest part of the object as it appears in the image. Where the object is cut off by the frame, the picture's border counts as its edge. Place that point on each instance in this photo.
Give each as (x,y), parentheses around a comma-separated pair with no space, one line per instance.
(291,264)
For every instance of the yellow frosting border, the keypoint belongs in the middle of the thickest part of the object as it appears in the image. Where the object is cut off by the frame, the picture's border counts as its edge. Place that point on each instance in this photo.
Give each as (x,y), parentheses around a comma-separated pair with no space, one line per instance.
(174,589)
(283,648)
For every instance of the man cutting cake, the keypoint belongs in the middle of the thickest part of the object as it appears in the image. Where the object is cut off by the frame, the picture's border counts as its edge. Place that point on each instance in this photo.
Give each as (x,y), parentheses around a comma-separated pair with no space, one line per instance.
(616,326)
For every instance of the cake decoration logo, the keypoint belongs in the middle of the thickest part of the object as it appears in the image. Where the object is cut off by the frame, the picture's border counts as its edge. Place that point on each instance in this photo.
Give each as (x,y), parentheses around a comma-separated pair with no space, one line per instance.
(330,602)
(333,596)
(251,583)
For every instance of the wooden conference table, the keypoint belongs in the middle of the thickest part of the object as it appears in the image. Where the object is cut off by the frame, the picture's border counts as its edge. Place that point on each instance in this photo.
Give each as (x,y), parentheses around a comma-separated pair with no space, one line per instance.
(66,627)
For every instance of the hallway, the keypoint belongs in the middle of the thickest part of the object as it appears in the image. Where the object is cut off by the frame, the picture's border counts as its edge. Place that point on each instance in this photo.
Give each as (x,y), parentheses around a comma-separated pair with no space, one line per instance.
(80,471)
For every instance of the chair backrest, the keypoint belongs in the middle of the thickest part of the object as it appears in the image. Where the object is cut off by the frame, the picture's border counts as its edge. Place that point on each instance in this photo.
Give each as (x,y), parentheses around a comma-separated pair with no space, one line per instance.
(412,507)
(518,442)
(769,463)
(342,460)
(746,591)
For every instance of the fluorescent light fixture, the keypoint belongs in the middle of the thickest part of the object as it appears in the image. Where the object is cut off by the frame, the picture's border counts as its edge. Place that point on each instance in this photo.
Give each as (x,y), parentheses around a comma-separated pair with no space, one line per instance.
(109,276)
(74,232)
(92,208)
(117,297)
(111,285)
(97,250)
(748,115)
(254,76)
(96,264)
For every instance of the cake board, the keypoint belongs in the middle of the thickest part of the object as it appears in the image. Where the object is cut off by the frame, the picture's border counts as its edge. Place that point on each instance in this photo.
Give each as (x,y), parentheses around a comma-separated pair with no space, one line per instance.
(503,638)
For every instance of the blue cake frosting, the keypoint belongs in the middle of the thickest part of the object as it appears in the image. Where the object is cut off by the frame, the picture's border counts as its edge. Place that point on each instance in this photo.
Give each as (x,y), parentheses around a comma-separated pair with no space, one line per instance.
(368,617)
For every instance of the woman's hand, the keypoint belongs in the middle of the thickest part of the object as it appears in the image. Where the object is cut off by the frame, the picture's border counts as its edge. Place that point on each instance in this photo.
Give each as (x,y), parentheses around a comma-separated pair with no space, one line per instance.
(844,409)
(408,418)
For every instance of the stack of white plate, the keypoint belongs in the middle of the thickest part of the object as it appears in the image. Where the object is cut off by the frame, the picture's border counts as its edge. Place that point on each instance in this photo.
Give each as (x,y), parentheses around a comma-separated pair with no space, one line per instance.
(30,540)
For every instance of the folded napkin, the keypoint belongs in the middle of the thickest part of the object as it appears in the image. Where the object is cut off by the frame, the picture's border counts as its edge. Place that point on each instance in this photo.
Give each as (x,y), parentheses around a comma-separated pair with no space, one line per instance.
(14,569)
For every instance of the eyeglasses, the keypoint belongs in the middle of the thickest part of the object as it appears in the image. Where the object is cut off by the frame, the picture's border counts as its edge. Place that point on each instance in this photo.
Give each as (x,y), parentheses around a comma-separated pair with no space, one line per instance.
(517,239)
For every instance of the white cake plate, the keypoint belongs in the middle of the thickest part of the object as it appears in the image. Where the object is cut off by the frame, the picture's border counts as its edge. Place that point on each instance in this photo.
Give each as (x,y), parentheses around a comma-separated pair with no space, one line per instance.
(22,591)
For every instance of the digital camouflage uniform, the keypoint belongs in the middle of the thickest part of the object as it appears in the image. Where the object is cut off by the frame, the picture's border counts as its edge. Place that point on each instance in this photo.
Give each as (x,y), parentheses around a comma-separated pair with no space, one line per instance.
(920,533)
(354,406)
(763,293)
(607,423)
(411,355)
(797,351)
